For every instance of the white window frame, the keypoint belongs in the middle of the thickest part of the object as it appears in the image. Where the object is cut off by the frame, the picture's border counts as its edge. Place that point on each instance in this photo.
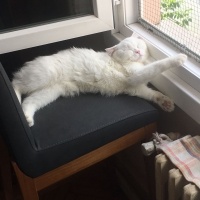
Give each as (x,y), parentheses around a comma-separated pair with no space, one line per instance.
(102,20)
(181,84)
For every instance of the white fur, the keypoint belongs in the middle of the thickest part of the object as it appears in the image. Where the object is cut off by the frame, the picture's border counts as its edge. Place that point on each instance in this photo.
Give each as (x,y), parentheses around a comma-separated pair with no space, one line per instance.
(121,69)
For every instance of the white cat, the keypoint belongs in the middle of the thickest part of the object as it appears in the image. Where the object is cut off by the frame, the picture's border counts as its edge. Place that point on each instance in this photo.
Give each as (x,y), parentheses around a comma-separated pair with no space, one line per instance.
(122,69)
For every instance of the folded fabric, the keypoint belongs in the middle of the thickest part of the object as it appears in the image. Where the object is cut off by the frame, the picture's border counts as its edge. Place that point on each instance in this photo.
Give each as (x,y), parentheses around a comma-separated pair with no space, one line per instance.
(184,153)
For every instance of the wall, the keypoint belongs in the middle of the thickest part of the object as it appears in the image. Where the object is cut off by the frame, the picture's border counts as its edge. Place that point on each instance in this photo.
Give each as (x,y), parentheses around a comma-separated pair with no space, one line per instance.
(178,121)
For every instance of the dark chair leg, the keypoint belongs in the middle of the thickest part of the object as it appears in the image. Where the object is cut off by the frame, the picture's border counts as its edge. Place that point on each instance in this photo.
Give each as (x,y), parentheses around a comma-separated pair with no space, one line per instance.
(5,172)
(150,169)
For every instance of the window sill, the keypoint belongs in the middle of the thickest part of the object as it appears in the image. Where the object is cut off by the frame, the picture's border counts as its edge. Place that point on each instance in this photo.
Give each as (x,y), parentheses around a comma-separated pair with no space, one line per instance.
(181,84)
(51,32)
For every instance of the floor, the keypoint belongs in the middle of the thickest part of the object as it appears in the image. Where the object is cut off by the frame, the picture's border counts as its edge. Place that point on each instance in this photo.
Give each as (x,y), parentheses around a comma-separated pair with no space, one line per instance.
(95,183)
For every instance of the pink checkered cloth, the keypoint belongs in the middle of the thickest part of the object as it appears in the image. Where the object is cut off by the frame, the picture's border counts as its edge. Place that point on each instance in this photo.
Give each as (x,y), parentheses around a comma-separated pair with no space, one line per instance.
(184,153)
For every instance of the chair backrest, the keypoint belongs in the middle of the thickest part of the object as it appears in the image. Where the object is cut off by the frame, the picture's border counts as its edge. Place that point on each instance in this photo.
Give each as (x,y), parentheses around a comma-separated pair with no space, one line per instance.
(14,127)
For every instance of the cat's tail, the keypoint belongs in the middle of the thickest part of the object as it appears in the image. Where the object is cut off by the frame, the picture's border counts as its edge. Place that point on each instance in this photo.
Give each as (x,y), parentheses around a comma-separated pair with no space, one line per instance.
(17,91)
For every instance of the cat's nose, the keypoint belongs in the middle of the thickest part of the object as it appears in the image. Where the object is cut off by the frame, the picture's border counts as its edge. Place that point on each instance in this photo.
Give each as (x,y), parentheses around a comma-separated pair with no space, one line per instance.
(137,51)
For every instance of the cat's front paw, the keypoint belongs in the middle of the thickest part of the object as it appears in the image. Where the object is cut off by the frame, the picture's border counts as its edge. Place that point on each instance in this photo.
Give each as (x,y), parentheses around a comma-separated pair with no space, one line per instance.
(165,103)
(180,59)
(29,119)
(29,110)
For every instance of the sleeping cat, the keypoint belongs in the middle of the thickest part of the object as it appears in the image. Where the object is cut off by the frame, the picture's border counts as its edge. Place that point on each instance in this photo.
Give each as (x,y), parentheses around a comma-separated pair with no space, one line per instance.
(121,69)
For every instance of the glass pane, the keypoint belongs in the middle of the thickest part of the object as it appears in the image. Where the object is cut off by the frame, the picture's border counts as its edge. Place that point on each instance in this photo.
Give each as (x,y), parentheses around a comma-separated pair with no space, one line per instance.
(22,13)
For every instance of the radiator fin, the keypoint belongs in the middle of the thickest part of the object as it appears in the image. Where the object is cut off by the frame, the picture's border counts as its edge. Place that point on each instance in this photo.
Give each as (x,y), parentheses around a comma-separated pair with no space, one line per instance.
(171,184)
(176,183)
(191,192)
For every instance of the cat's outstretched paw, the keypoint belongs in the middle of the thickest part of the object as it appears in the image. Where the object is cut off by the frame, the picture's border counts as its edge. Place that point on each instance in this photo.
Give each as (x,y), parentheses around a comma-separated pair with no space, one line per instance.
(165,103)
(180,59)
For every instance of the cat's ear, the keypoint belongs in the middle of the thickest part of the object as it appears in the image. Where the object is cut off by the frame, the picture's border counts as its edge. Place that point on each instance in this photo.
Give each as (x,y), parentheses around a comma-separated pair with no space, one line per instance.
(110,50)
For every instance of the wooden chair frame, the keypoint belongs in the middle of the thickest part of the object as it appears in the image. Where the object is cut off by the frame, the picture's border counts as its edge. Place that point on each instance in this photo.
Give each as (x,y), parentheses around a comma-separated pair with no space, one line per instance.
(31,186)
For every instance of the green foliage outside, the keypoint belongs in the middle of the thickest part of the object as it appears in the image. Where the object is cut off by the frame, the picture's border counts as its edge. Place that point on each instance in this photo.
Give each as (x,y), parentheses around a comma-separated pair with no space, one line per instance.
(175,10)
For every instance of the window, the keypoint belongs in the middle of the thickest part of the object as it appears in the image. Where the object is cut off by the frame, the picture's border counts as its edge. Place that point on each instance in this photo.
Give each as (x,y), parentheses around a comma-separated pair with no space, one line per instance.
(24,13)
(178,21)
(27,29)
(181,84)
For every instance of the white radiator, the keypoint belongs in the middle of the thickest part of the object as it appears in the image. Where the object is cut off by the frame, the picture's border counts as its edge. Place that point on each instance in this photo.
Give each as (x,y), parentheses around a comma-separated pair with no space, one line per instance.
(170,183)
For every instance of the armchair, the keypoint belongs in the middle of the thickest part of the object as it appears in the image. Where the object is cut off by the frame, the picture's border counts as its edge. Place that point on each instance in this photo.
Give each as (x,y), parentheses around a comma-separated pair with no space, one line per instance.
(69,135)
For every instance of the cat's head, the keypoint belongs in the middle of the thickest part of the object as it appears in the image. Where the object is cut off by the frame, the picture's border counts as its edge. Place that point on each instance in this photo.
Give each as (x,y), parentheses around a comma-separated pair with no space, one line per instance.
(132,49)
